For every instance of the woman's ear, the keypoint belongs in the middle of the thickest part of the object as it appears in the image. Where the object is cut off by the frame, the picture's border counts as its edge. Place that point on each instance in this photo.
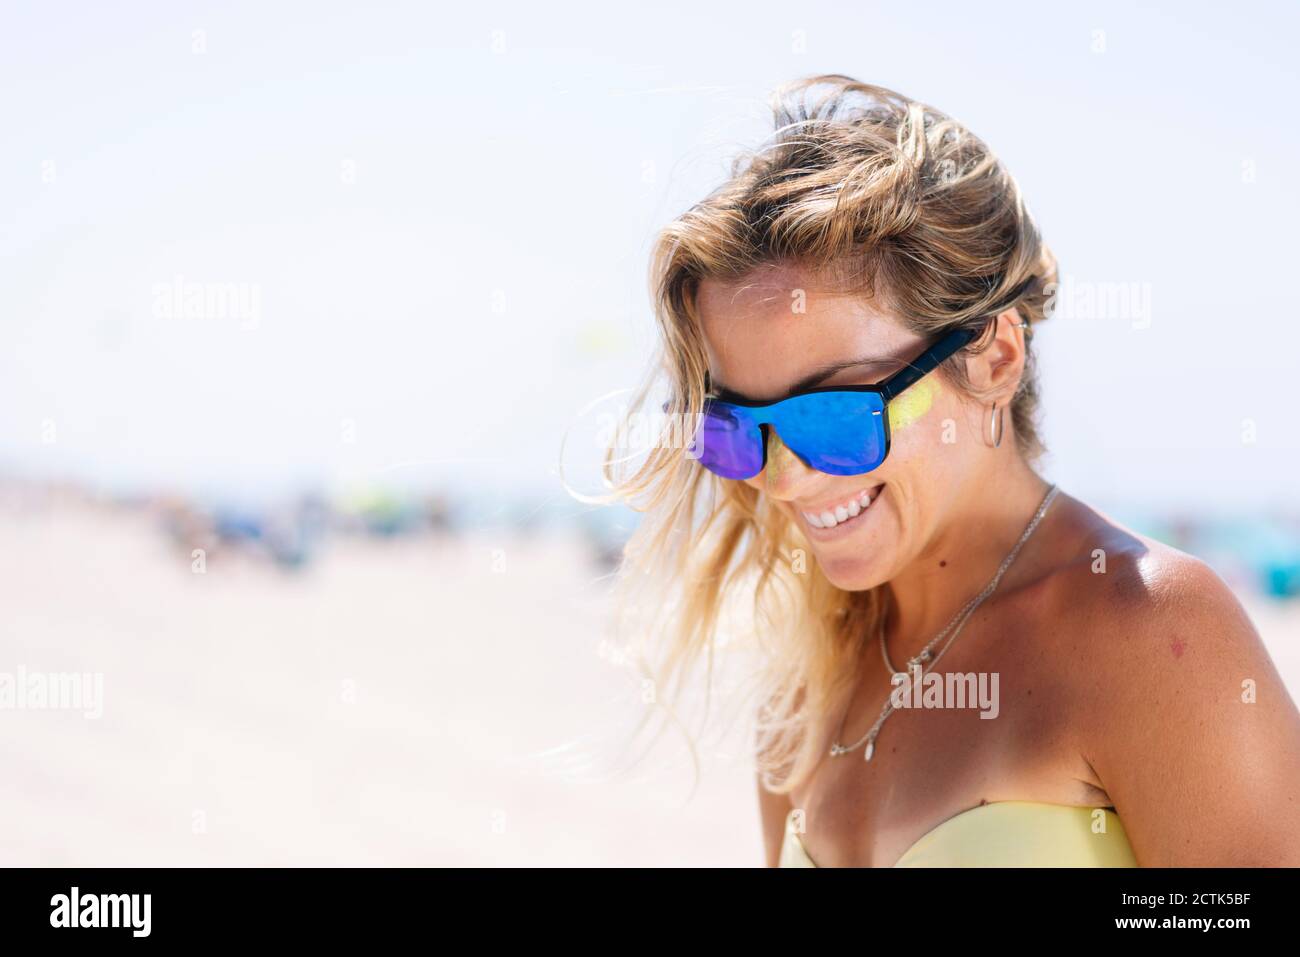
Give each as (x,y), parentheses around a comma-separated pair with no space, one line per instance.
(995,371)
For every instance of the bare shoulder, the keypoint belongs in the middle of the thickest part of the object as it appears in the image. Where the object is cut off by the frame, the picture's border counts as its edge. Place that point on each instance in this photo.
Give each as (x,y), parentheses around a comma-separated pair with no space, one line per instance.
(1142,598)
(1179,708)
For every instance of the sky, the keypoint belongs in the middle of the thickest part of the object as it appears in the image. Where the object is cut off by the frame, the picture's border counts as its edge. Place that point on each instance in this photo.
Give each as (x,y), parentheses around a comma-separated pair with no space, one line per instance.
(249,247)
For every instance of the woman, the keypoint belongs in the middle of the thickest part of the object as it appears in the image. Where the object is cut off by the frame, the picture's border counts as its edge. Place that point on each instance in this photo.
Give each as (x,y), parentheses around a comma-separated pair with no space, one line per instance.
(1120,708)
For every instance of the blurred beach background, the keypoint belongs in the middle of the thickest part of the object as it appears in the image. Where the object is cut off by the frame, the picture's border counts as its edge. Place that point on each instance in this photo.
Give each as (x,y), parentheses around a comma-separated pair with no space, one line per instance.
(300,303)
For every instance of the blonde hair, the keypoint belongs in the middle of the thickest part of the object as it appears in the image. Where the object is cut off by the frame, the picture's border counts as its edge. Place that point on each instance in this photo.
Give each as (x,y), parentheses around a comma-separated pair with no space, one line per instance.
(880,196)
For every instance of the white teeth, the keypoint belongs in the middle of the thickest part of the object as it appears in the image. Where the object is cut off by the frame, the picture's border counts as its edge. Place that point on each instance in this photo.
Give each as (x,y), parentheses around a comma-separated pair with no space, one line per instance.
(841,513)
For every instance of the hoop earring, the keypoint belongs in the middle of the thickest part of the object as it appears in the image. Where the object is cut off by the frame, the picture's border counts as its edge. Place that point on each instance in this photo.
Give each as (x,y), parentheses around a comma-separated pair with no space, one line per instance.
(995,426)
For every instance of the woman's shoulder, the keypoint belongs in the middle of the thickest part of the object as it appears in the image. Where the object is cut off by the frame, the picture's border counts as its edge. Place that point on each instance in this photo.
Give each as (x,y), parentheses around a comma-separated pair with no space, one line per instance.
(1139,626)
(1137,594)
(1179,710)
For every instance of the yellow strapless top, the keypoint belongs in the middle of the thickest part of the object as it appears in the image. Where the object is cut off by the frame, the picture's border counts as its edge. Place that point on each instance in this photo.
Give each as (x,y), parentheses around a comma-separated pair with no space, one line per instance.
(1008,834)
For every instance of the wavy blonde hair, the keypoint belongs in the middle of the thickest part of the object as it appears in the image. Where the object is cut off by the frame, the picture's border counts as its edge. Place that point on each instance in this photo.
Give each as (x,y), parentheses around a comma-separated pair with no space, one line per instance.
(880,196)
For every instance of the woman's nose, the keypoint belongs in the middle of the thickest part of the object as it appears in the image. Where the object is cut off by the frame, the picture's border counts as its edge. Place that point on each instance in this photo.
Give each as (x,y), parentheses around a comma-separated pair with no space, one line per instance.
(785,473)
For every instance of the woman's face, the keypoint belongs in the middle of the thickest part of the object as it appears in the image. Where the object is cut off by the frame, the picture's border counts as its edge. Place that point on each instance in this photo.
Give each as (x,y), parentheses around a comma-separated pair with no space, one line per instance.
(769,334)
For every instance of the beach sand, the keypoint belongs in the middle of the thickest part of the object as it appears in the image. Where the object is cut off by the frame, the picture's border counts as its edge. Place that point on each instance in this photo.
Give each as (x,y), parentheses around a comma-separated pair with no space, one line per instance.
(427,701)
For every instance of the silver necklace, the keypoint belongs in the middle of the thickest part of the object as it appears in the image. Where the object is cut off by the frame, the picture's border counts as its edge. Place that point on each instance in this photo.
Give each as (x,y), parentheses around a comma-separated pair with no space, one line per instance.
(926,655)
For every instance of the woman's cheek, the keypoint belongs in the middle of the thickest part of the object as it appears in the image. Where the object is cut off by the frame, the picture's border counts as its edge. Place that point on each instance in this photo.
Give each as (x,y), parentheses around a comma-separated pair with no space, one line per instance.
(907,411)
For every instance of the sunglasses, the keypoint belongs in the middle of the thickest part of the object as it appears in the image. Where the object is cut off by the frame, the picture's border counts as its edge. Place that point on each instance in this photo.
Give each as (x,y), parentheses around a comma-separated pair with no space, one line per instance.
(839,430)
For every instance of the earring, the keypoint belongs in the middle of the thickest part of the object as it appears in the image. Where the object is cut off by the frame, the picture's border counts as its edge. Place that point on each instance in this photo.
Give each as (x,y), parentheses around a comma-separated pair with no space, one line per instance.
(995,426)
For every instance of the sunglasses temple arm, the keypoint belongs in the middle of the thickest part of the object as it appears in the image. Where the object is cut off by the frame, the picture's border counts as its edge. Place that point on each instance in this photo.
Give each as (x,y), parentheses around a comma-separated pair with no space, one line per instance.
(925,363)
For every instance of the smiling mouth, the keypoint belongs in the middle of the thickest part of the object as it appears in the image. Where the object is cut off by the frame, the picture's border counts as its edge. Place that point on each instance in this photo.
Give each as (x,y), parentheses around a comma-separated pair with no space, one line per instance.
(845,512)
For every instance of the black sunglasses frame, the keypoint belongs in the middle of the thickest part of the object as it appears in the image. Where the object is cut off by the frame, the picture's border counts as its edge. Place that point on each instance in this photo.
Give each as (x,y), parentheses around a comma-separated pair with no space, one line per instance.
(891,388)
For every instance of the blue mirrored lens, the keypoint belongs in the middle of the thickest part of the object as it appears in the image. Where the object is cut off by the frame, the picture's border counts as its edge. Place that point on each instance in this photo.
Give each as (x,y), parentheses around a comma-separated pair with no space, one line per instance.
(729,442)
(840,433)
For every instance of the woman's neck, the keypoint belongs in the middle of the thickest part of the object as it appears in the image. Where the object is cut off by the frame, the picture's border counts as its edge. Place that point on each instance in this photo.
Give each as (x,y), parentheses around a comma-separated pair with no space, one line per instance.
(961,560)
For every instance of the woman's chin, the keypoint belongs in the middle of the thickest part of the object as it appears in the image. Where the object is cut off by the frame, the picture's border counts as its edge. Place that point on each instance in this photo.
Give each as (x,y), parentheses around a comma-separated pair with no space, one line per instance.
(856,569)
(863,558)
(853,573)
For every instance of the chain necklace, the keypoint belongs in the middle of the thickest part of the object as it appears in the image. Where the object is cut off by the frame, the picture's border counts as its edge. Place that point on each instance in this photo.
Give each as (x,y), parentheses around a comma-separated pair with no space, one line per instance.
(926,656)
